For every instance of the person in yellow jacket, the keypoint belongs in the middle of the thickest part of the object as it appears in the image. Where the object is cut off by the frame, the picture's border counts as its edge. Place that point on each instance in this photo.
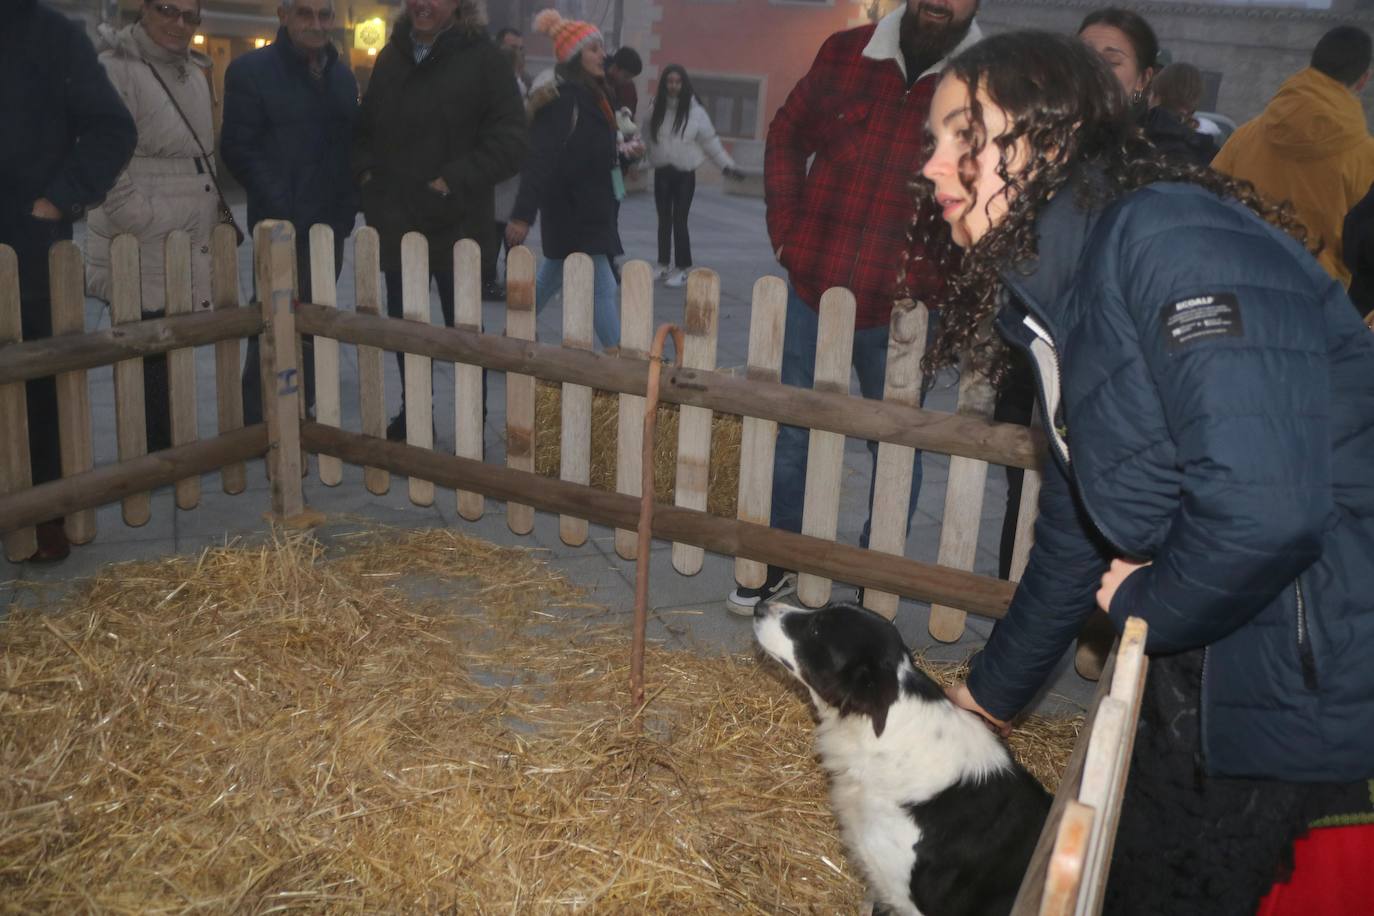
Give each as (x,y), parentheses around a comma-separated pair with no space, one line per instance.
(1310,145)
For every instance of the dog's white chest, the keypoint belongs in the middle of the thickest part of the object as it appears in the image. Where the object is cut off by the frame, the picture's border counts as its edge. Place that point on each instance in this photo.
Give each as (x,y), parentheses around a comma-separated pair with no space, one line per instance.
(882,838)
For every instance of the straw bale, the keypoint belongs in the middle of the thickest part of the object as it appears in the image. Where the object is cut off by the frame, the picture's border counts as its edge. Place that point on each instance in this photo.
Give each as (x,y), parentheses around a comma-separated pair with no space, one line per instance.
(416,723)
(722,495)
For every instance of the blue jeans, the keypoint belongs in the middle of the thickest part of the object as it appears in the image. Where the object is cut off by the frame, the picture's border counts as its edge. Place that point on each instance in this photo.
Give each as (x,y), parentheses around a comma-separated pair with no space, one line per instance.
(798,368)
(606,298)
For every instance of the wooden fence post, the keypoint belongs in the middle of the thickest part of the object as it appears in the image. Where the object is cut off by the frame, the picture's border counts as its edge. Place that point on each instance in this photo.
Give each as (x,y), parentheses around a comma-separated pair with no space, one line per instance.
(469,392)
(224,294)
(963,504)
(759,438)
(419,377)
(906,344)
(825,451)
(371,387)
(274,242)
(701,323)
(67,272)
(181,363)
(1026,513)
(575,447)
(15,471)
(520,324)
(324,291)
(126,307)
(636,333)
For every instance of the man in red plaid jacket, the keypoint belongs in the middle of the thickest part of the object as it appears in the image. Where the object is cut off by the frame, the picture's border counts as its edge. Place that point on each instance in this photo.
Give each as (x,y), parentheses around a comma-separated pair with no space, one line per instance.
(861,111)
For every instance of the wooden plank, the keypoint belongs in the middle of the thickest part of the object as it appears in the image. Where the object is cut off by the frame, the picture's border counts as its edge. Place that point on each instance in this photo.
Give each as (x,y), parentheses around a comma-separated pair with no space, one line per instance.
(131,428)
(324,292)
(520,323)
(111,482)
(1029,895)
(1100,775)
(367,297)
(825,452)
(468,389)
(758,437)
(419,377)
(906,344)
(16,474)
(575,447)
(701,321)
(224,296)
(274,242)
(1026,515)
(929,430)
(181,363)
(67,279)
(636,336)
(985,595)
(1065,875)
(963,504)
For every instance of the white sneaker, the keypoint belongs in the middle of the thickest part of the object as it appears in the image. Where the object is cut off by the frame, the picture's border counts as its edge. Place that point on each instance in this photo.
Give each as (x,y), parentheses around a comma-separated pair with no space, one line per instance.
(743,600)
(662,273)
(677,279)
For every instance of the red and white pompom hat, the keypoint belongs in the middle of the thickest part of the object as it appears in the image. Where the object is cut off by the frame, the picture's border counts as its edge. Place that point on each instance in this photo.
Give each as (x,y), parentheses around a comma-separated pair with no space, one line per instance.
(569,36)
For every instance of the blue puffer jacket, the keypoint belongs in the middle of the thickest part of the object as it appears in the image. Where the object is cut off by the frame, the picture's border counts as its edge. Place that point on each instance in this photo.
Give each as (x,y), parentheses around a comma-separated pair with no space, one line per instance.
(1211,393)
(287,136)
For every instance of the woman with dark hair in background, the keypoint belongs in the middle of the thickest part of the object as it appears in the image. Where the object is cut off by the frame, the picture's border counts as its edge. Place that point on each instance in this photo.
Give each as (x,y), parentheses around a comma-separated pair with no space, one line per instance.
(1170,125)
(680,137)
(1129,48)
(1208,396)
(572,177)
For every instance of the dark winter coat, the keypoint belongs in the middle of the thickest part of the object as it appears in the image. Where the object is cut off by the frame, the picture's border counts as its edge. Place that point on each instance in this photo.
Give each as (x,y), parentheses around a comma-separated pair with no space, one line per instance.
(1172,136)
(66,134)
(287,136)
(455,115)
(1357,241)
(1211,404)
(568,176)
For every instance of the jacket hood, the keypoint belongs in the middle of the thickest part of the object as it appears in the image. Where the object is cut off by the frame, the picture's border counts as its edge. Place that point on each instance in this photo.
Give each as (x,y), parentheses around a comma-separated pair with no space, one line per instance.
(1313,116)
(133,43)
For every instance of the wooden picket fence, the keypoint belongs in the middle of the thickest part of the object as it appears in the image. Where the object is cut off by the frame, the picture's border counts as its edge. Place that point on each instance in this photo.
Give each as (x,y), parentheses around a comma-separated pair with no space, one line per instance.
(898,423)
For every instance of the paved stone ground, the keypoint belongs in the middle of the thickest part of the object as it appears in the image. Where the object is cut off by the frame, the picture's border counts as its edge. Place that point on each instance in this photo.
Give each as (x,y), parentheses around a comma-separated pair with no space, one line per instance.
(728,235)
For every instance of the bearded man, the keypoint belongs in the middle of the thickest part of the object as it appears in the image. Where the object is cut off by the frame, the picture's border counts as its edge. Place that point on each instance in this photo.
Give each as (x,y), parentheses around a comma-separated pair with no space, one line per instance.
(860,110)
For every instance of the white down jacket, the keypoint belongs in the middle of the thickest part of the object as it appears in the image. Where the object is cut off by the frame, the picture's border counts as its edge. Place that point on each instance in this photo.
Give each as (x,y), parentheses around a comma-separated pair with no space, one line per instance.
(166,185)
(689,149)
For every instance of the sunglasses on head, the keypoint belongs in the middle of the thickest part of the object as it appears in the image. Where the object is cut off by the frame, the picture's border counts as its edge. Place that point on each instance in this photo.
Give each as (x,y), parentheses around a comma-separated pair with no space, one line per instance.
(167,11)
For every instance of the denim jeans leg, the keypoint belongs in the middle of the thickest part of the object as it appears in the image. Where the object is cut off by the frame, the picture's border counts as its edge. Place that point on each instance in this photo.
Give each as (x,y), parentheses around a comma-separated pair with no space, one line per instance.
(789,457)
(870,362)
(606,302)
(548,279)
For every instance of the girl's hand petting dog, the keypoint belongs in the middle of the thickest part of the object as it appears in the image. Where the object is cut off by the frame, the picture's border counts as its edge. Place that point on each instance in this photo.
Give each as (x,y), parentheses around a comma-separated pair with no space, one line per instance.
(959,695)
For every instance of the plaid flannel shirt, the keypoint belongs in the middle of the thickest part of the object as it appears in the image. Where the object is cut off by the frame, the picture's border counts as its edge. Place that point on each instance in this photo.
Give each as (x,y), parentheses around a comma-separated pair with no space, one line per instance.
(844,222)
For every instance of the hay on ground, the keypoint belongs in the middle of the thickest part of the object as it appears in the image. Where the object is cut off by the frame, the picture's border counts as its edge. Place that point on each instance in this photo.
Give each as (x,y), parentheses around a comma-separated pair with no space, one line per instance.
(422,723)
(722,494)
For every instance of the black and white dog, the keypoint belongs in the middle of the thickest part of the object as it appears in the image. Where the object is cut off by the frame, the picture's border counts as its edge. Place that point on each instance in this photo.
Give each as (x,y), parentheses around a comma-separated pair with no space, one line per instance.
(933,809)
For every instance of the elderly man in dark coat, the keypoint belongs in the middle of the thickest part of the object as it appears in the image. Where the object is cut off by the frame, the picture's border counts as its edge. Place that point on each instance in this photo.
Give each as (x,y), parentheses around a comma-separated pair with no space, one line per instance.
(441,124)
(289,110)
(66,137)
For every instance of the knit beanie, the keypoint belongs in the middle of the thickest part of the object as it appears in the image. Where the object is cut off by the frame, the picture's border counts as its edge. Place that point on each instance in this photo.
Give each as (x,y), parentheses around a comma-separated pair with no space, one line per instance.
(569,36)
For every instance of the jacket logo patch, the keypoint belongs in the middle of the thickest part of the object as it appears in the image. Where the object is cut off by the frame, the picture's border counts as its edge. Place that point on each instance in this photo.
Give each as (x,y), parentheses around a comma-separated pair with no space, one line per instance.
(1198,318)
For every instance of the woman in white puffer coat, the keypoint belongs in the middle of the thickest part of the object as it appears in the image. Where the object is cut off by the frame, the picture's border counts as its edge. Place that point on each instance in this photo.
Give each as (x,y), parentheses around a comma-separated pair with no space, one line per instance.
(167,185)
(679,138)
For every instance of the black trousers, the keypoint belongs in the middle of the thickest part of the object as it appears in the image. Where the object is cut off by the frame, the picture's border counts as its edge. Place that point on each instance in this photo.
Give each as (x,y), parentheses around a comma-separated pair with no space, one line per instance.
(673,193)
(1015,404)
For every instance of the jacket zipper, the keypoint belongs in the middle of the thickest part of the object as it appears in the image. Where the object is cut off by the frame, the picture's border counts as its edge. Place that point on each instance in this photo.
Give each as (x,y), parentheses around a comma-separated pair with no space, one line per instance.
(1305,655)
(1201,762)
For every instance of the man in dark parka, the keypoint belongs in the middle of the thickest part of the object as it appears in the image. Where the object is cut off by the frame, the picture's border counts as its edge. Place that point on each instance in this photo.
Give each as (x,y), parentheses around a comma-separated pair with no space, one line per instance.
(66,137)
(289,111)
(441,123)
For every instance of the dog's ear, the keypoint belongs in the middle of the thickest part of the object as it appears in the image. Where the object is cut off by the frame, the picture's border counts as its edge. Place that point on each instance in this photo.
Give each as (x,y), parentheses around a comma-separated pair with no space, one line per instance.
(870,690)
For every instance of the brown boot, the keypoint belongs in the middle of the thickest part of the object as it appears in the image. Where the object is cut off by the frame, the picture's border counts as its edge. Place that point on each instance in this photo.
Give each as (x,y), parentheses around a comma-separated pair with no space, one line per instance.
(52,543)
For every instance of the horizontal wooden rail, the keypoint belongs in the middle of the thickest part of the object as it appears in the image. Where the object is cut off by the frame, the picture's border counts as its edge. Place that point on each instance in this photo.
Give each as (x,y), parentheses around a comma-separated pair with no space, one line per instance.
(982,595)
(932,430)
(113,482)
(70,352)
